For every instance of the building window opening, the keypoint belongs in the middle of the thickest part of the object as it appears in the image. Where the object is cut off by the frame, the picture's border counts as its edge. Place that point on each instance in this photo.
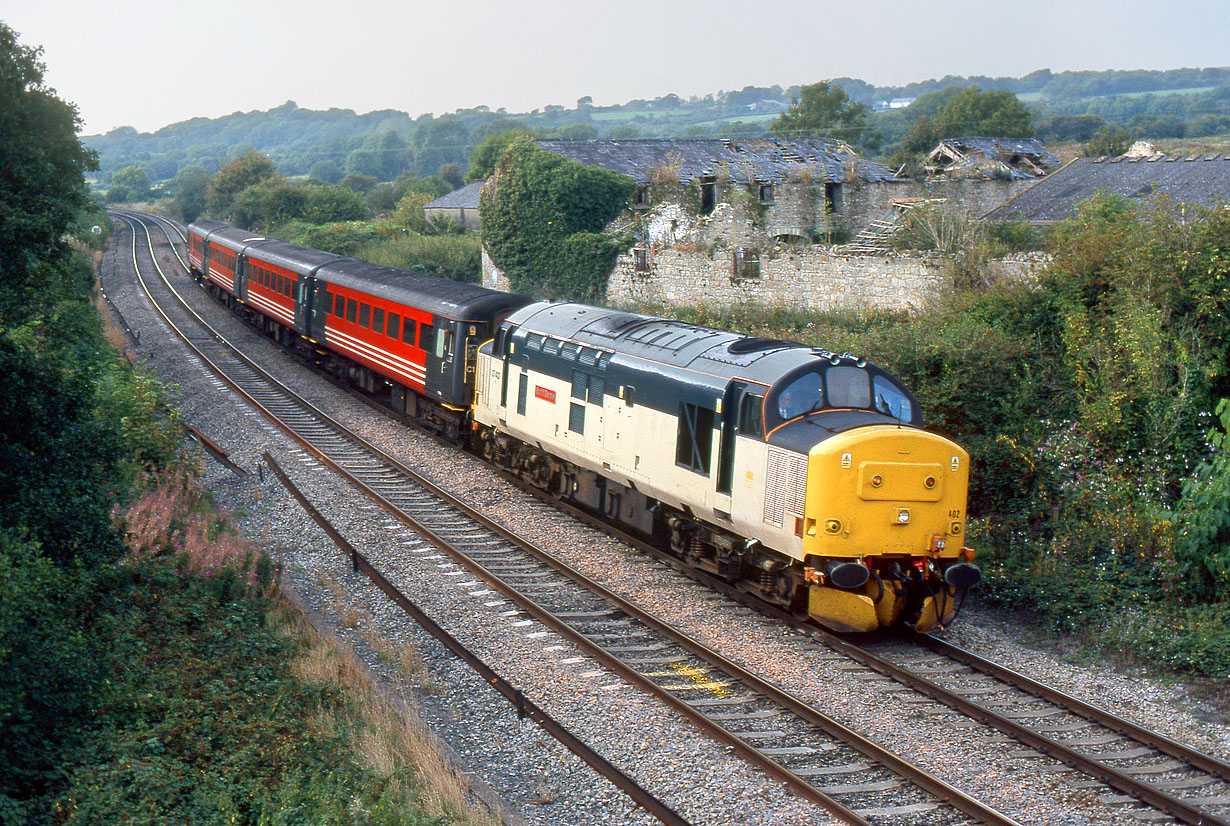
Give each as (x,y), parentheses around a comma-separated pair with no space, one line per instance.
(640,260)
(746,263)
(708,195)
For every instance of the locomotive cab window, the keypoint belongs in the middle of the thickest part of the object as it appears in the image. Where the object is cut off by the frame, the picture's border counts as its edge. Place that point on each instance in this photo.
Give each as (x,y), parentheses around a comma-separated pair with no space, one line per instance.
(889,399)
(848,387)
(751,415)
(803,395)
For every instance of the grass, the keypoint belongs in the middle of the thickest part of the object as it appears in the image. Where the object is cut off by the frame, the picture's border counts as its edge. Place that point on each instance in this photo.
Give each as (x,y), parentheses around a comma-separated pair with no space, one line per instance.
(225,705)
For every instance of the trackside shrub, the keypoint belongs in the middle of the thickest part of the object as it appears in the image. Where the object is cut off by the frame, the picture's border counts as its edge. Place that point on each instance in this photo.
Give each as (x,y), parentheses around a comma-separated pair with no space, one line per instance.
(1203,517)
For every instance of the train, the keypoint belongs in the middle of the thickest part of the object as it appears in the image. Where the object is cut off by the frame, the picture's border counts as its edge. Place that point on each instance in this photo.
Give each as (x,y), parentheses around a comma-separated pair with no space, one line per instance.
(800,475)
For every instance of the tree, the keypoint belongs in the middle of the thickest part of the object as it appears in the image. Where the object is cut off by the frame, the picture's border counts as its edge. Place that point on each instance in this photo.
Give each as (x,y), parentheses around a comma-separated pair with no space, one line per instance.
(189,188)
(441,141)
(1111,140)
(129,185)
(826,110)
(42,167)
(972,112)
(326,170)
(485,155)
(234,177)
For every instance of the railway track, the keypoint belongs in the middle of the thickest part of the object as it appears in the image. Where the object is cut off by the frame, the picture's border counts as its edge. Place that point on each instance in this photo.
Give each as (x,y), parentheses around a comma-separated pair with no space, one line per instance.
(811,753)
(800,746)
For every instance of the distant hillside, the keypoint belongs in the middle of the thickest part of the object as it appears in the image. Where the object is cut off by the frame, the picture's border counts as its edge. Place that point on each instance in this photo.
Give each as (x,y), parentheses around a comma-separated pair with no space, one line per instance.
(1068,106)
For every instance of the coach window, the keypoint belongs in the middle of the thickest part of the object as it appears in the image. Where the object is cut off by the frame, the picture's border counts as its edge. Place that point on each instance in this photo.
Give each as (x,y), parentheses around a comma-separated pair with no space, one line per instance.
(408,330)
(352,310)
(365,316)
(394,325)
(339,307)
(378,319)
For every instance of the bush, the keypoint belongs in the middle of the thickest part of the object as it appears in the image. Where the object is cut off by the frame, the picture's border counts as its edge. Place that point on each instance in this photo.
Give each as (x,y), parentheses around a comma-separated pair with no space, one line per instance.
(533,207)
(1203,517)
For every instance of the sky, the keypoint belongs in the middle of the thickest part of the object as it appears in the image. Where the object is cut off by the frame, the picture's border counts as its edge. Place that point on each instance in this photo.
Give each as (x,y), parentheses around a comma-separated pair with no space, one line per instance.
(144,64)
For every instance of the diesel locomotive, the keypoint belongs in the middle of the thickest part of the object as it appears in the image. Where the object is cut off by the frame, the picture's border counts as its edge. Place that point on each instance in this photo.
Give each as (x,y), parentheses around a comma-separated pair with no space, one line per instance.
(801,475)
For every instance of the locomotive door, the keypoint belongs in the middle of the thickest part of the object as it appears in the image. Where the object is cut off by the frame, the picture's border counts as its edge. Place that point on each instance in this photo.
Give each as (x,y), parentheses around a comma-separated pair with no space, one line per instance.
(732,401)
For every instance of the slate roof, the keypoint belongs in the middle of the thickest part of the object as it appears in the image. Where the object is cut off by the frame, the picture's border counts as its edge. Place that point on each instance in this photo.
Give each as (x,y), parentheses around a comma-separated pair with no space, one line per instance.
(765,160)
(464,198)
(996,157)
(1189,179)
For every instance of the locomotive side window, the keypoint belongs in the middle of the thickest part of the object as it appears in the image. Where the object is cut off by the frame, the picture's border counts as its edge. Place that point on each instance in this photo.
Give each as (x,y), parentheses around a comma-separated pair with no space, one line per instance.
(889,399)
(751,415)
(848,387)
(803,395)
(695,440)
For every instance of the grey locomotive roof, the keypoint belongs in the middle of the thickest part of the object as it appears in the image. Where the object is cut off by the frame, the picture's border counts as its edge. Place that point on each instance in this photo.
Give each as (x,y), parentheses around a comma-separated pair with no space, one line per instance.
(1191,179)
(302,260)
(743,161)
(464,198)
(674,343)
(440,296)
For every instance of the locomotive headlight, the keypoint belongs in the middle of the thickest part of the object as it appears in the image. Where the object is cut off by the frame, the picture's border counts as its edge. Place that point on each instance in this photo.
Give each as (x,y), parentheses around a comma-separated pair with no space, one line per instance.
(903,516)
(955,529)
(832,526)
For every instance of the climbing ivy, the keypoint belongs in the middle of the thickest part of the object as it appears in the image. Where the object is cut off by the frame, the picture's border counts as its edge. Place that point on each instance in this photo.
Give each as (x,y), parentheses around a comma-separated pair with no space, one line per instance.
(543,219)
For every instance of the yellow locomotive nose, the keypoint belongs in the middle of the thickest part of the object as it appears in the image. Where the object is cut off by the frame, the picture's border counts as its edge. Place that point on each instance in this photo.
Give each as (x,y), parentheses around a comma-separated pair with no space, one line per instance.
(892,501)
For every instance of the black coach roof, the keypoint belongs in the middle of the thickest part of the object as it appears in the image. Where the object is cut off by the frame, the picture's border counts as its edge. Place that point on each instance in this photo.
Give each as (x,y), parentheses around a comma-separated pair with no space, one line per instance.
(302,260)
(440,296)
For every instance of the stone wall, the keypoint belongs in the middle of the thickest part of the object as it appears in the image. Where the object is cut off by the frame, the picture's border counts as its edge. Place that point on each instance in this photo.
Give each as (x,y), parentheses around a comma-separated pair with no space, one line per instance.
(802,278)
(805,278)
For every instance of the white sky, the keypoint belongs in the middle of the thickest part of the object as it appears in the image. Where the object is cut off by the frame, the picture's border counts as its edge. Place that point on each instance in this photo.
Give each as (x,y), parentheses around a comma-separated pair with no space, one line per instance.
(148,64)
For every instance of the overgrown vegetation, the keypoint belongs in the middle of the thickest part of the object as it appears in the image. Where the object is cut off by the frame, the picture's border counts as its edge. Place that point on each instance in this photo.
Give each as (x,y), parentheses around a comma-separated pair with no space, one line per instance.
(1099,497)
(543,221)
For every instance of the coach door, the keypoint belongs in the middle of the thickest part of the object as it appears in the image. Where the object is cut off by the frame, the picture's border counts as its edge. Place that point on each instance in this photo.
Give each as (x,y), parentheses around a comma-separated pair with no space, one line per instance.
(241,277)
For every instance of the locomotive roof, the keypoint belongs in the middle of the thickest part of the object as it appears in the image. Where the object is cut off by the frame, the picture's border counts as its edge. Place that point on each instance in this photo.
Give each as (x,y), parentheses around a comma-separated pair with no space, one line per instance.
(440,296)
(675,343)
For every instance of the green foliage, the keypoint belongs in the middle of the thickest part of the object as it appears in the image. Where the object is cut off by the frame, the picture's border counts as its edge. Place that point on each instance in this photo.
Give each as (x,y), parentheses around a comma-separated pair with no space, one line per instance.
(454,256)
(383,156)
(188,201)
(532,208)
(49,675)
(1202,541)
(441,141)
(234,177)
(826,110)
(1015,236)
(42,188)
(971,112)
(130,185)
(326,170)
(1109,141)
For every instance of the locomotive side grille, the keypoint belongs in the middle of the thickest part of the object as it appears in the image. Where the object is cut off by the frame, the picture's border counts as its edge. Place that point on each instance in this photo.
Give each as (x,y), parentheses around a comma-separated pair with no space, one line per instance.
(785,486)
